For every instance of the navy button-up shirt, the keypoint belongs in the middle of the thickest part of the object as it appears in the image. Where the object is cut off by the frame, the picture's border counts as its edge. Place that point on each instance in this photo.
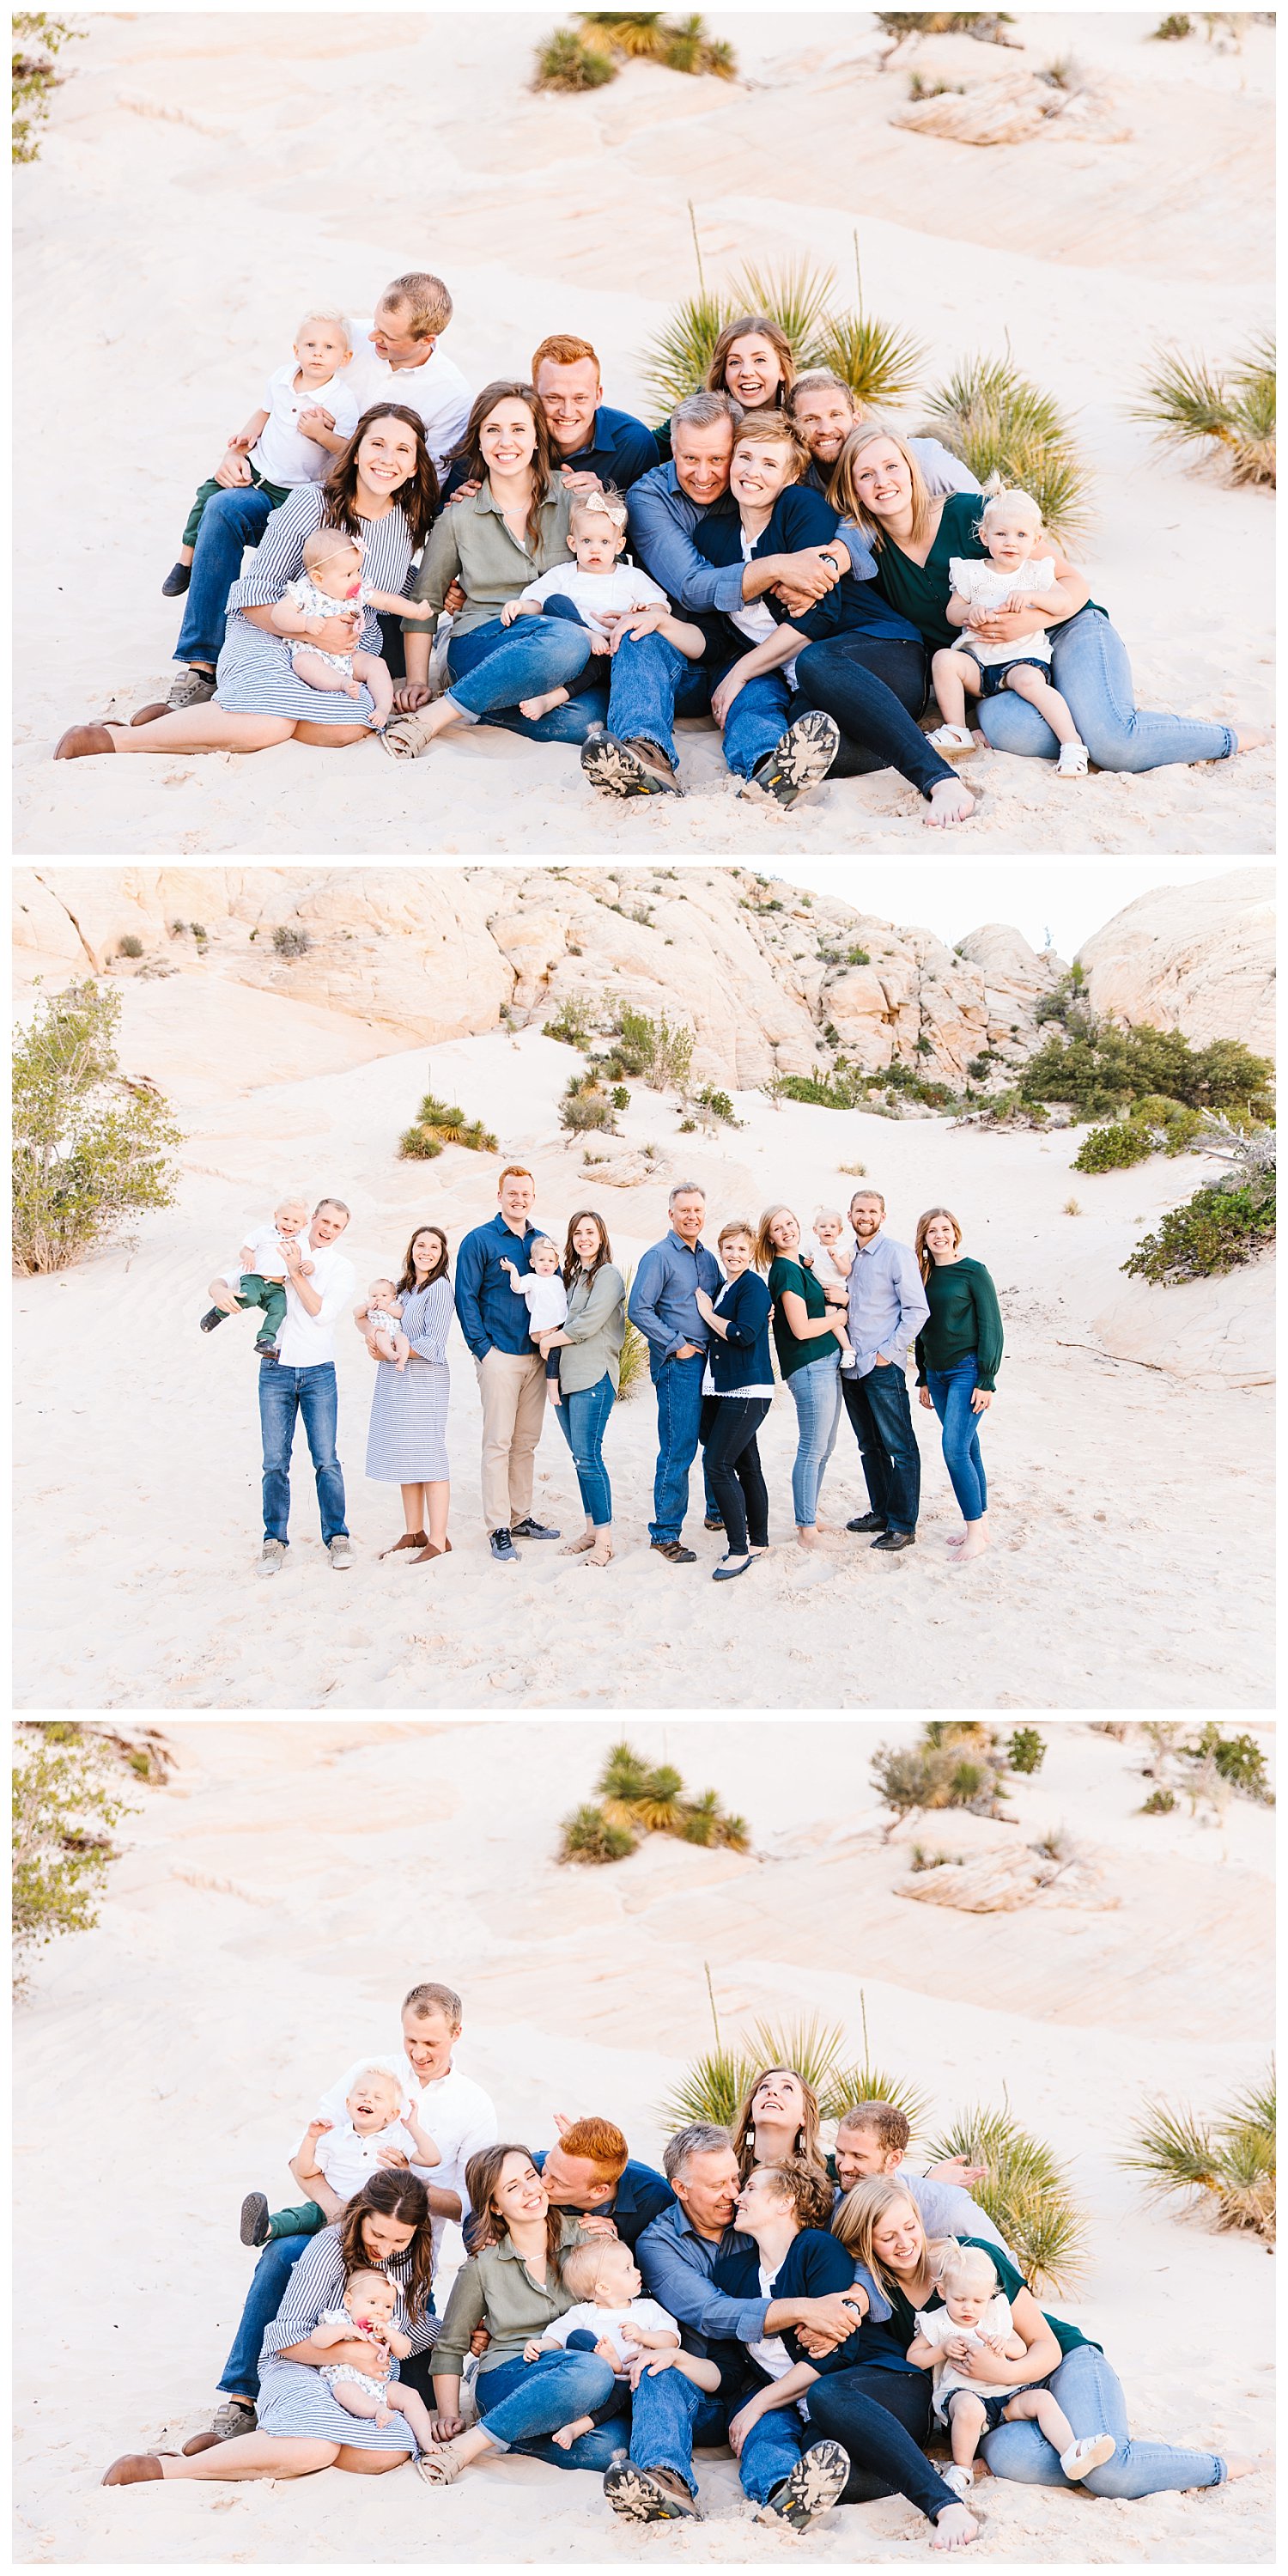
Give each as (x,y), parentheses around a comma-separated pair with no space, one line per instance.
(491,1316)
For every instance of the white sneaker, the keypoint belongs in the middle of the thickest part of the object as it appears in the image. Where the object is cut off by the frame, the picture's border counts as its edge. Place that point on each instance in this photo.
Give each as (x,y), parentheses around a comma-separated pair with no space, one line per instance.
(272,1557)
(1072,762)
(952,742)
(960,2480)
(1090,2453)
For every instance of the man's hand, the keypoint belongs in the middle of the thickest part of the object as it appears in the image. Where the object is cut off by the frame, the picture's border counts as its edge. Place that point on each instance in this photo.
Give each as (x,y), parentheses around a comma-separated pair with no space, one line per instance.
(807,577)
(454,597)
(392,2156)
(597,2227)
(224,1296)
(583,481)
(463,492)
(479,2341)
(409,695)
(686,1351)
(955,2169)
(232,470)
(830,2320)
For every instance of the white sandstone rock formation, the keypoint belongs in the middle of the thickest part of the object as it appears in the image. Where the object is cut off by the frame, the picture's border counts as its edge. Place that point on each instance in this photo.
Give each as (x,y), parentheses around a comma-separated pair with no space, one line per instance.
(1200,958)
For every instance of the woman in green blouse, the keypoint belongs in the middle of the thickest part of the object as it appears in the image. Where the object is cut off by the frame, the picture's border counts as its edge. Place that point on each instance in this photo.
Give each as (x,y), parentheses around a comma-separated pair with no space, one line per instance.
(959,1352)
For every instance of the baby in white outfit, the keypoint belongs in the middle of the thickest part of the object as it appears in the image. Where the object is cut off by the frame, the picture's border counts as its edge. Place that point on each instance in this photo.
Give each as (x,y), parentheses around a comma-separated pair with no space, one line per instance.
(331,585)
(547,1300)
(381,1317)
(613,2320)
(977,2317)
(1010,578)
(367,2317)
(598,586)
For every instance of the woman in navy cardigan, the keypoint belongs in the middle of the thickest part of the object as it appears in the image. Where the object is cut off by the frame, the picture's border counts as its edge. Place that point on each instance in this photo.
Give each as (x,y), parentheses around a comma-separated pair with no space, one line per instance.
(762,656)
(737,1392)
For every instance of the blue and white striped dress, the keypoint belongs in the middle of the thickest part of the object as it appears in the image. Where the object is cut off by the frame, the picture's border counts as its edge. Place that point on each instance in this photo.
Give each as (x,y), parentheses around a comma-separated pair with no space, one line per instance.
(255,676)
(406,1441)
(292,2399)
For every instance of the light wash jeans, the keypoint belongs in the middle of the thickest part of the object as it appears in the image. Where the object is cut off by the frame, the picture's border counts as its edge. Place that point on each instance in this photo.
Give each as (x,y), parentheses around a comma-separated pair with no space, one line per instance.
(1092,2398)
(521,2403)
(582,1417)
(1089,667)
(950,1391)
(491,667)
(816,1394)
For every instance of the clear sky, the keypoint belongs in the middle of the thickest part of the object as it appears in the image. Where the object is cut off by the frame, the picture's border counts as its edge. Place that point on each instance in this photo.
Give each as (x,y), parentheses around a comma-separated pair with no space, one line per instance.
(1068,898)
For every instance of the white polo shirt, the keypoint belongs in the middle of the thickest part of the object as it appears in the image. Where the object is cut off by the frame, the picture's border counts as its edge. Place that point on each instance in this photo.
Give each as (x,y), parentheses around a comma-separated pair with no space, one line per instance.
(307,1341)
(348,2158)
(436,389)
(282,452)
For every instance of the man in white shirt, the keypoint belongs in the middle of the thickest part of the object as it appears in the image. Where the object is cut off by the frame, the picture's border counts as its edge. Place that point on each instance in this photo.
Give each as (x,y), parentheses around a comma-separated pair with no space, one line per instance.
(299,1378)
(458,2114)
(397,359)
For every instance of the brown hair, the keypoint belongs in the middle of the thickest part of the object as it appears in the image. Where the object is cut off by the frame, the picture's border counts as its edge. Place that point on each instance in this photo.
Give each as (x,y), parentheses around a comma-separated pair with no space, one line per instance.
(737,1225)
(822,380)
(887,2123)
(402,2196)
(482,2174)
(423,2000)
(572,1261)
(742,329)
(405,1288)
(807,2145)
(417,498)
(429,305)
(775,428)
(563,349)
(805,2185)
(469,445)
(859,2214)
(926,1258)
(767,1251)
(602,2144)
(844,499)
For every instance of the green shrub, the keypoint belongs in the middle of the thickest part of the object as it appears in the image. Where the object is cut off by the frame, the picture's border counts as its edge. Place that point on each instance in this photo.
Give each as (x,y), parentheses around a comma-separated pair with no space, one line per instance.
(66,1806)
(985,24)
(34,75)
(573,1025)
(1214,1232)
(663,1055)
(130,946)
(290,942)
(1106,1149)
(1171,29)
(1160,1802)
(585,1107)
(621,1097)
(443,1122)
(1231,416)
(1238,1758)
(419,1145)
(91,1148)
(679,44)
(1027,1749)
(720,1106)
(566,62)
(639,1797)
(1230,2161)
(1098,1069)
(988,413)
(586,1835)
(937,1773)
(1026,2192)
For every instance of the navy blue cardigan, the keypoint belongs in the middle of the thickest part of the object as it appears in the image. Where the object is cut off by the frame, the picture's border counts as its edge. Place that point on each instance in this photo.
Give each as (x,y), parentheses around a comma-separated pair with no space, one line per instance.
(742,1358)
(800,517)
(814,2264)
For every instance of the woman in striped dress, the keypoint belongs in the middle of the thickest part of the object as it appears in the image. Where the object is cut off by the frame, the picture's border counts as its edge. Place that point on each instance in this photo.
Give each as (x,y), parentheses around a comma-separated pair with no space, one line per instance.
(406,1441)
(382,489)
(302,2427)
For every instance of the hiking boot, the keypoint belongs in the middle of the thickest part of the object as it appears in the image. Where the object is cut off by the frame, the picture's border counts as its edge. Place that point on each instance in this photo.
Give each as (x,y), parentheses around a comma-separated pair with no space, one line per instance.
(628,768)
(254,2219)
(340,1551)
(800,759)
(503,1547)
(176,581)
(671,1549)
(272,1556)
(648,2495)
(815,2484)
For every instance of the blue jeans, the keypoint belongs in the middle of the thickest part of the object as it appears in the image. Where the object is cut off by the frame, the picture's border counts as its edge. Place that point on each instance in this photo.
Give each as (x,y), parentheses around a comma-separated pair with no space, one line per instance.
(875,687)
(230,522)
(582,1417)
(668,2415)
(491,667)
(882,1424)
(1089,667)
(263,2299)
(521,2403)
(951,1390)
(678,1387)
(1092,2398)
(284,1392)
(652,682)
(880,2417)
(816,1393)
(757,720)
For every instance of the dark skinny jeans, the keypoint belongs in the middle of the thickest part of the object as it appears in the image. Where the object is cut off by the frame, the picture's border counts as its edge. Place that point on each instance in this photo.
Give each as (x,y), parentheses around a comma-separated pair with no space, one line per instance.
(732,1463)
(881,2417)
(875,687)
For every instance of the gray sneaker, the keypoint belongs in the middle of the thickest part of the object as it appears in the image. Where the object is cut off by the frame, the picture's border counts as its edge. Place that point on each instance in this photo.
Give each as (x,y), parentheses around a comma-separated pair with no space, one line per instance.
(190,688)
(227,2424)
(272,1556)
(340,1551)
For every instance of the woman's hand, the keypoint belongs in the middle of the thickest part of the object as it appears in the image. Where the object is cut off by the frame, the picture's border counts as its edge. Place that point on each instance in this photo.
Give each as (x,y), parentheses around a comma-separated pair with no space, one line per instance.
(740,2425)
(444,2428)
(924,1398)
(703,1304)
(981,1398)
(731,687)
(410,695)
(1005,625)
(635,622)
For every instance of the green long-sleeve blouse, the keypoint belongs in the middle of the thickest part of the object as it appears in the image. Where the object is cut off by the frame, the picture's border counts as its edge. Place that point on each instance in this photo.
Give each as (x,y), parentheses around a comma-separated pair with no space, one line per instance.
(964,1317)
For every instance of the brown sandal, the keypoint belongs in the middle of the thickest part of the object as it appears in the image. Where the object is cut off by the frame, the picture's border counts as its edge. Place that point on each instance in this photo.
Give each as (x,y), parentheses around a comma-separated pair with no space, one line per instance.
(410,1538)
(428,1550)
(83,742)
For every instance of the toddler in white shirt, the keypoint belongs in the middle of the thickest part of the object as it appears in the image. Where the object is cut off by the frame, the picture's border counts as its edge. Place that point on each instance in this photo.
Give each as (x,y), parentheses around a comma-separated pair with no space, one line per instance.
(1010,525)
(976,2317)
(260,1271)
(597,586)
(611,2318)
(287,441)
(344,2154)
(547,1299)
(367,2316)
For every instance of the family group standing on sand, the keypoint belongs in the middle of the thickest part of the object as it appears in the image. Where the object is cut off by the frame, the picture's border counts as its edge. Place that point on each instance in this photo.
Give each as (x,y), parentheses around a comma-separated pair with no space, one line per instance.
(810,579)
(545,1328)
(822,2316)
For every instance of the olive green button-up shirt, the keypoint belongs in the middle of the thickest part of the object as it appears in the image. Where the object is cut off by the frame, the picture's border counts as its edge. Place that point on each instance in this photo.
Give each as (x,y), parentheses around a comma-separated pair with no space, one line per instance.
(495,2289)
(471,543)
(596,1329)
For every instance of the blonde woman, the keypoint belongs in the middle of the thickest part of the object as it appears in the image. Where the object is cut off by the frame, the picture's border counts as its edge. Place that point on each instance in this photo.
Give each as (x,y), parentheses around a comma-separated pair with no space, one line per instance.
(810,1338)
(959,1352)
(878,483)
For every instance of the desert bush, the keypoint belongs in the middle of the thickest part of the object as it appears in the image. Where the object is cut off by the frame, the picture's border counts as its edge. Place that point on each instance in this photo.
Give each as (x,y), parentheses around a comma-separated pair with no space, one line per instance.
(1238,1759)
(586,1107)
(565,61)
(1214,1232)
(1027,1749)
(678,44)
(1230,416)
(419,1145)
(621,1097)
(984,24)
(1107,1149)
(67,1802)
(1026,2192)
(1099,1068)
(1067,1001)
(129,946)
(714,2085)
(632,1365)
(931,1774)
(634,1797)
(1007,428)
(720,1106)
(573,1024)
(91,1148)
(443,1122)
(586,1835)
(1160,1802)
(290,942)
(662,1054)
(1172,29)
(37,38)
(1227,2165)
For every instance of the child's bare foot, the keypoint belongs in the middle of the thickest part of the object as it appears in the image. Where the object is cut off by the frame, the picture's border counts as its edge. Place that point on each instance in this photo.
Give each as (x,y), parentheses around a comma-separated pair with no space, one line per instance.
(383,2416)
(955,2529)
(535,707)
(950,803)
(569,2433)
(352,688)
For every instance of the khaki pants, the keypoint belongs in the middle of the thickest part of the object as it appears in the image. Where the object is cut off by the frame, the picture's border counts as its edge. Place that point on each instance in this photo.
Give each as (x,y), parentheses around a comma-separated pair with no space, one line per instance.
(513,1389)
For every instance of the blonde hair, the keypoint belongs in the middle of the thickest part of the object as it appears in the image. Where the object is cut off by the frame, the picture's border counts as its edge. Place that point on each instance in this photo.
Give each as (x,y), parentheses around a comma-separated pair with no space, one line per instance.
(1008,501)
(774,429)
(737,1225)
(861,2212)
(766,1248)
(967,2272)
(582,2264)
(325,544)
(427,302)
(926,1258)
(833,1214)
(844,498)
(325,313)
(390,2083)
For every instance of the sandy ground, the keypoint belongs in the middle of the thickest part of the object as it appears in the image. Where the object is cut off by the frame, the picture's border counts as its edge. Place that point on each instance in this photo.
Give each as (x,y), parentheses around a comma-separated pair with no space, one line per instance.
(173,156)
(261,1867)
(1131,1505)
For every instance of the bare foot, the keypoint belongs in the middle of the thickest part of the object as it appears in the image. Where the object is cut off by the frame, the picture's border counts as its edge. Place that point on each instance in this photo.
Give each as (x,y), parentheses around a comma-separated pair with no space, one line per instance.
(541,707)
(974,1543)
(1247,738)
(950,803)
(955,2529)
(807,1538)
(568,2433)
(1239,2467)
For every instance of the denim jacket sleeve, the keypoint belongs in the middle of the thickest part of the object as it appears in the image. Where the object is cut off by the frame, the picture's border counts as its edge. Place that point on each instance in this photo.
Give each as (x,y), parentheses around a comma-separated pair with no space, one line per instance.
(667,551)
(646,1290)
(688,2294)
(469,1279)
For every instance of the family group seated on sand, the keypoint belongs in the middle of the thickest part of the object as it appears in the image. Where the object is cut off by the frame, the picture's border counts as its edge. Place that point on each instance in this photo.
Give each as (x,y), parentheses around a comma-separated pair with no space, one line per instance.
(814,582)
(825,2317)
(546,1329)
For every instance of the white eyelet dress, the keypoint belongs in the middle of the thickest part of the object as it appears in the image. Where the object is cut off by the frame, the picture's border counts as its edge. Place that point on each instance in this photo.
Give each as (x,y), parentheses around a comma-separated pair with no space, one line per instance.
(255,676)
(406,1440)
(292,2401)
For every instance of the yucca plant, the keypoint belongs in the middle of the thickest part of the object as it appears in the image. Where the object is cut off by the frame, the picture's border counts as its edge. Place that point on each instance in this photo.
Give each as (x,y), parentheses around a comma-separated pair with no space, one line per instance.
(1230,2164)
(1008,429)
(566,62)
(679,44)
(714,2085)
(879,363)
(1188,404)
(796,297)
(1026,2192)
(419,1145)
(589,1835)
(632,1363)
(703,1820)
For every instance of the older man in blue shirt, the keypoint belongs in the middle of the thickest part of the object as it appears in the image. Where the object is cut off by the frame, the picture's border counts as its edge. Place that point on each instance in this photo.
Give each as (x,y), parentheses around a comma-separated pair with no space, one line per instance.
(887,1308)
(663,1306)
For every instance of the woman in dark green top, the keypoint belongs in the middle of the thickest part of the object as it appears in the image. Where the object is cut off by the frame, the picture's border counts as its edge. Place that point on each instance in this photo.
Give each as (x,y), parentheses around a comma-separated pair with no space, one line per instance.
(878,484)
(959,1352)
(809,1340)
